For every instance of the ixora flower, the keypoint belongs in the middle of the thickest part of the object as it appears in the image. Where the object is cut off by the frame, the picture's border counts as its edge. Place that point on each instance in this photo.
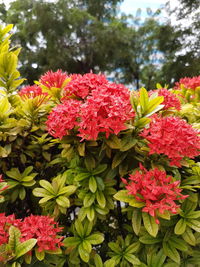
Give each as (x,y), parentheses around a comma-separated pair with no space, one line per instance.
(82,85)
(44,229)
(173,137)
(54,79)
(5,223)
(63,118)
(106,109)
(189,83)
(170,99)
(31,91)
(156,190)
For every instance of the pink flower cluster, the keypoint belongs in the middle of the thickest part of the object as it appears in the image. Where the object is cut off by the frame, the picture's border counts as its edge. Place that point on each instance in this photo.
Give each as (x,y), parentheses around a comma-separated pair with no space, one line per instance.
(99,107)
(156,190)
(172,137)
(42,228)
(53,79)
(189,83)
(170,99)
(82,85)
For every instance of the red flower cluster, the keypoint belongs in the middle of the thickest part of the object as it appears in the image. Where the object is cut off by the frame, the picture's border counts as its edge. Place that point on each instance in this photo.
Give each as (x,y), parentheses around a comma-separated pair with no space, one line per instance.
(156,190)
(189,83)
(5,223)
(103,107)
(53,79)
(82,85)
(42,228)
(170,99)
(31,91)
(106,110)
(172,137)
(63,118)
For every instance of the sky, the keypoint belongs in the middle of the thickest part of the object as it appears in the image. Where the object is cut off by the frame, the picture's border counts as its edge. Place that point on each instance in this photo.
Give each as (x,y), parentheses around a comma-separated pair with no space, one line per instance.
(131,6)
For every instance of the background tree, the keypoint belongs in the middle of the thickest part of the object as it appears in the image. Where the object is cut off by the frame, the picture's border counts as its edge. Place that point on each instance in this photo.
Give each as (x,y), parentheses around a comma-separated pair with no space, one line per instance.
(84,35)
(180,42)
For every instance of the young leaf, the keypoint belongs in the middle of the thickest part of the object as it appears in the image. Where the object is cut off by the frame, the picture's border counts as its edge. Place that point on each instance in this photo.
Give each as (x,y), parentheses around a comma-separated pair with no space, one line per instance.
(150,224)
(24,247)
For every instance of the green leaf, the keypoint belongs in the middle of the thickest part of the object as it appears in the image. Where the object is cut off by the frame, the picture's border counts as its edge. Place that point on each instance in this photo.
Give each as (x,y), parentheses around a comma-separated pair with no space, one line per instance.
(79,228)
(144,99)
(63,201)
(113,142)
(95,239)
(189,237)
(71,241)
(101,168)
(89,162)
(82,176)
(194,224)
(158,259)
(67,190)
(24,247)
(136,220)
(14,238)
(101,199)
(132,248)
(83,253)
(41,192)
(115,247)
(178,243)
(90,213)
(149,240)
(118,158)
(127,142)
(132,259)
(150,224)
(171,252)
(88,200)
(45,184)
(92,184)
(39,254)
(180,227)
(98,261)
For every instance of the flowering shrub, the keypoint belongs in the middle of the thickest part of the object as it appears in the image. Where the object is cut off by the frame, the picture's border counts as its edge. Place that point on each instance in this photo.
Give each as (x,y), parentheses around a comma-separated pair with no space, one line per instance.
(96,175)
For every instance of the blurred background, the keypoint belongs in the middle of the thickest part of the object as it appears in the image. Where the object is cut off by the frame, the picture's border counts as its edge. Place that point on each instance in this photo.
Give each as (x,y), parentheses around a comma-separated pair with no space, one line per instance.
(138,43)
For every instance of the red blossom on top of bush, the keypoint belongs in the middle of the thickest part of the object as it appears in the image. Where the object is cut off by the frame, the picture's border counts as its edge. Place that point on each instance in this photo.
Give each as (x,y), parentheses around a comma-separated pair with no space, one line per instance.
(156,190)
(172,137)
(82,85)
(106,110)
(53,79)
(189,83)
(63,118)
(170,99)
(44,229)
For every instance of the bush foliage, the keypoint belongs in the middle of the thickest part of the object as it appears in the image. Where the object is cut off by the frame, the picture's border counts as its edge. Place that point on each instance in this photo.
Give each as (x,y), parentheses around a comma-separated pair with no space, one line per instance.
(96,175)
